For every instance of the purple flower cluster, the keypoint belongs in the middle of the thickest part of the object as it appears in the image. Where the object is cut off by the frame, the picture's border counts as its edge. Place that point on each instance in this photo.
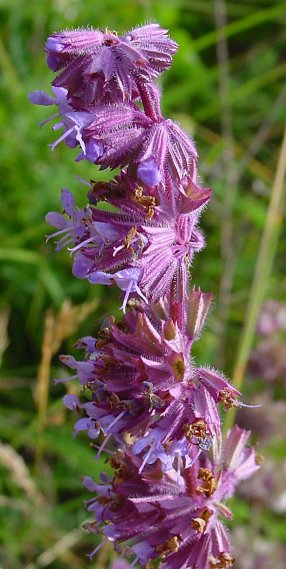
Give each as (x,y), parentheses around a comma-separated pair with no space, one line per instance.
(145,247)
(101,66)
(144,387)
(173,516)
(155,412)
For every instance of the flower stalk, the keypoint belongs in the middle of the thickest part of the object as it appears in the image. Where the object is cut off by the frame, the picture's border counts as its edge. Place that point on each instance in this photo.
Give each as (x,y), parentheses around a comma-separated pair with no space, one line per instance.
(145,402)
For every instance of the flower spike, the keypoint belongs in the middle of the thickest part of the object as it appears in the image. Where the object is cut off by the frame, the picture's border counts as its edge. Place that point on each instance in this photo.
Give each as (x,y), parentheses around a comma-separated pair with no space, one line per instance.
(149,407)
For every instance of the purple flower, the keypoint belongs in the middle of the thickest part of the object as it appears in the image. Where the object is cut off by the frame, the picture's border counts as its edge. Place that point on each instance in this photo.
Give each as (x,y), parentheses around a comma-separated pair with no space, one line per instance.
(104,66)
(165,502)
(73,122)
(69,229)
(152,147)
(173,516)
(121,134)
(146,391)
(239,461)
(71,402)
(145,248)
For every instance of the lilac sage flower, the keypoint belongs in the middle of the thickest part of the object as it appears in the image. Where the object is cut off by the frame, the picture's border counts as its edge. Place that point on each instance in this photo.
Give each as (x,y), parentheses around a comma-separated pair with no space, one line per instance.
(143,251)
(151,145)
(146,392)
(99,65)
(169,516)
(73,122)
(121,134)
(143,398)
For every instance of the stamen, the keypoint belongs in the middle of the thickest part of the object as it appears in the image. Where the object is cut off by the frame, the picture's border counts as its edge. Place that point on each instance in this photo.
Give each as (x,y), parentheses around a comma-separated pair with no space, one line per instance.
(198,434)
(109,32)
(198,428)
(170,546)
(210,483)
(147,457)
(240,404)
(223,561)
(63,243)
(80,139)
(198,524)
(116,249)
(140,293)
(49,119)
(60,232)
(64,379)
(259,459)
(103,445)
(126,296)
(226,398)
(64,135)
(147,202)
(93,553)
(130,236)
(98,447)
(80,245)
(115,421)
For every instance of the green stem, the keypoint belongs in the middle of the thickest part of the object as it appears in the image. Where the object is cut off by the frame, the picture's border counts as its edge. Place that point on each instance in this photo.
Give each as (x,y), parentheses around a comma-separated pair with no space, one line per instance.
(263,268)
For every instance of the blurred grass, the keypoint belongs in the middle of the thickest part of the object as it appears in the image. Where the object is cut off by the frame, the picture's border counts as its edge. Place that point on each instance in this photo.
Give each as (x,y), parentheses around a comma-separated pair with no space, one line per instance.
(34,279)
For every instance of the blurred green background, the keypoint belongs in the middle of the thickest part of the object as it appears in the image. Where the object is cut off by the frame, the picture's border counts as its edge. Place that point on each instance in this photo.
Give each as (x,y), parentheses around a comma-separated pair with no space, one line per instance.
(227,89)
